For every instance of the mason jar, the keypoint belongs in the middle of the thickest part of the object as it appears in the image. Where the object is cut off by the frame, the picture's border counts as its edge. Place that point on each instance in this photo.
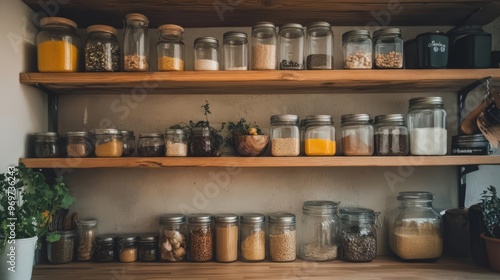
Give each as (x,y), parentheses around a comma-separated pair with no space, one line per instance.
(357,49)
(415,228)
(202,144)
(264,42)
(226,237)
(252,237)
(176,143)
(319,46)
(78,144)
(58,45)
(427,126)
(285,135)
(319,237)
(291,43)
(136,43)
(151,145)
(201,238)
(282,237)
(172,241)
(102,50)
(388,48)
(128,142)
(170,48)
(127,248)
(235,45)
(357,135)
(391,135)
(148,247)
(105,248)
(109,143)
(319,138)
(47,145)
(62,250)
(86,232)
(359,234)
(206,53)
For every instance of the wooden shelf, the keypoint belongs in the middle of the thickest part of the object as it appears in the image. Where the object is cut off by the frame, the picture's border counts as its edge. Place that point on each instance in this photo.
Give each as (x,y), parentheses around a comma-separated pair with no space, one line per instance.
(336,161)
(200,13)
(244,82)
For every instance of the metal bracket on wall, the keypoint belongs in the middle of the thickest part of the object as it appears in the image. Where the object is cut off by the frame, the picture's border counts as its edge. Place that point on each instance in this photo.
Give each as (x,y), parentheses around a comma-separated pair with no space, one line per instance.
(52,109)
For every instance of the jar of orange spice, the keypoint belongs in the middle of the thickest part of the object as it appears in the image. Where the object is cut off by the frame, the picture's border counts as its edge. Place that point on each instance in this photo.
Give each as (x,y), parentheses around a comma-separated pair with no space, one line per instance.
(109,143)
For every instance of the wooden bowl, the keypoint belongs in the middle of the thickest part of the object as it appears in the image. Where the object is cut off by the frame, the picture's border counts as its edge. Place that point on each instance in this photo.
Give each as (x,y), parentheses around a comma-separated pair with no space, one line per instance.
(250,145)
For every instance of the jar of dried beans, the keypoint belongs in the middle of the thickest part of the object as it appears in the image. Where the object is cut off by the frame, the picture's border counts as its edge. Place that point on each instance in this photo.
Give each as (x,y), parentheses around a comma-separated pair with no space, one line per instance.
(136,43)
(391,135)
(78,144)
(201,238)
(357,49)
(226,237)
(359,234)
(176,144)
(62,250)
(87,232)
(127,248)
(319,46)
(170,48)
(388,48)
(285,135)
(264,42)
(109,143)
(319,137)
(357,135)
(252,237)
(206,53)
(173,244)
(291,44)
(282,237)
(102,51)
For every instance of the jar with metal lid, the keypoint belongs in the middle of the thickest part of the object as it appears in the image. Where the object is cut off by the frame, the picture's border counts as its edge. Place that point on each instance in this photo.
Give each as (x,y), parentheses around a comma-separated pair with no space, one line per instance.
(58,45)
(319,138)
(173,231)
(206,53)
(415,228)
(235,46)
(151,145)
(128,142)
(170,48)
(62,250)
(176,144)
(357,49)
(226,237)
(285,135)
(388,48)
(108,143)
(282,237)
(264,46)
(357,135)
(475,144)
(427,126)
(105,248)
(102,50)
(78,144)
(252,237)
(202,144)
(291,44)
(87,232)
(47,145)
(359,234)
(127,248)
(391,135)
(201,238)
(319,46)
(136,43)
(148,247)
(319,237)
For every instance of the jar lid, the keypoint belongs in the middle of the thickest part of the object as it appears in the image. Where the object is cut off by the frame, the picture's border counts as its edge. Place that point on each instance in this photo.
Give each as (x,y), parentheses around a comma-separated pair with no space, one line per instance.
(385,31)
(426,101)
(355,118)
(415,195)
(320,205)
(88,222)
(433,33)
(107,131)
(58,20)
(46,135)
(292,25)
(206,40)
(66,233)
(106,238)
(469,138)
(277,218)
(355,211)
(235,35)
(390,118)
(226,218)
(127,133)
(251,218)
(201,218)
(318,24)
(264,24)
(150,135)
(352,33)
(172,219)
(319,118)
(147,237)
(102,28)
(77,134)
(171,29)
(136,16)
(127,238)
(284,118)
(172,131)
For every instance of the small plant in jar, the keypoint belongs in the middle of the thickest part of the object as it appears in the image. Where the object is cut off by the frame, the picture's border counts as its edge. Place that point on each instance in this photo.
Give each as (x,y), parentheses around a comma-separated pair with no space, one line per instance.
(491,217)
(246,139)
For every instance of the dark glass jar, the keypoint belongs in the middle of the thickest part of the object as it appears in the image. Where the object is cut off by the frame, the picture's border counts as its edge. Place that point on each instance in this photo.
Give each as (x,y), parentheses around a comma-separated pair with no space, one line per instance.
(391,135)
(475,144)
(148,247)
(470,47)
(128,143)
(202,144)
(62,251)
(102,51)
(359,234)
(47,145)
(151,145)
(105,248)
(127,248)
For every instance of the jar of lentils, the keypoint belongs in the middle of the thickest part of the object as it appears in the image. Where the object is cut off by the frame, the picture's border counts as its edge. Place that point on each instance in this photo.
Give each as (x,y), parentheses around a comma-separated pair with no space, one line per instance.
(109,143)
(105,248)
(102,51)
(391,135)
(264,42)
(357,135)
(285,135)
(172,241)
(359,234)
(201,238)
(148,247)
(47,145)
(252,237)
(388,48)
(357,49)
(282,237)
(170,48)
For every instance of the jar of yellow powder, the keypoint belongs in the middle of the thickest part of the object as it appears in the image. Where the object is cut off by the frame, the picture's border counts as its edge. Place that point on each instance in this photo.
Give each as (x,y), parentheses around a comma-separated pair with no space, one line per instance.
(58,45)
(109,143)
(319,136)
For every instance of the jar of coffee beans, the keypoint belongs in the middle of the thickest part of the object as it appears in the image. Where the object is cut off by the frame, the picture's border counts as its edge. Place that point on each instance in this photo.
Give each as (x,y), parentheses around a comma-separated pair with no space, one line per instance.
(359,235)
(102,51)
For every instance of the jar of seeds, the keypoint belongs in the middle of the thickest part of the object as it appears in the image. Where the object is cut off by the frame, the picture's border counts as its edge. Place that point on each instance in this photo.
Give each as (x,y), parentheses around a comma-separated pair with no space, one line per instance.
(391,135)
(105,248)
(357,49)
(264,42)
(172,241)
(252,237)
(148,247)
(102,51)
(291,43)
(109,143)
(319,46)
(87,232)
(388,48)
(61,251)
(201,238)
(176,143)
(170,48)
(285,136)
(136,43)
(359,235)
(282,237)
(47,145)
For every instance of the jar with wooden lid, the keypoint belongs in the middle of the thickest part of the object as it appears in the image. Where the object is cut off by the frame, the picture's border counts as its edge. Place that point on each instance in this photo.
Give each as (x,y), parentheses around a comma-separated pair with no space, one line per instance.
(58,45)
(235,47)
(148,247)
(359,234)
(357,135)
(391,135)
(151,145)
(172,240)
(47,145)
(319,136)
(102,50)
(78,144)
(127,248)
(388,48)
(226,237)
(285,135)
(109,143)
(105,248)
(291,44)
(201,238)
(252,237)
(206,54)
(87,233)
(136,43)
(170,48)
(128,142)
(282,237)
(264,46)
(357,49)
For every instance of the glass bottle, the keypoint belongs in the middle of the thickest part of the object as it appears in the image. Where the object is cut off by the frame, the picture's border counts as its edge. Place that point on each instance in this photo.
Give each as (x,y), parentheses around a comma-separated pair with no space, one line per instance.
(136,43)
(388,48)
(282,237)
(359,234)
(151,145)
(173,232)
(391,135)
(176,143)
(415,228)
(170,48)
(206,52)
(87,232)
(252,237)
(264,42)
(128,142)
(148,247)
(357,49)
(127,248)
(285,135)
(226,237)
(319,138)
(427,126)
(291,43)
(47,145)
(319,237)
(202,144)
(201,238)
(102,50)
(235,45)
(78,144)
(108,143)
(62,250)
(357,135)
(105,248)
(319,46)
(58,45)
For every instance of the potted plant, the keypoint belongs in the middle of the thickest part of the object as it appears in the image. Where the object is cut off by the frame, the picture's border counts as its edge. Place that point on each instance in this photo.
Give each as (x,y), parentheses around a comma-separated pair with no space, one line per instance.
(491,218)
(27,204)
(247,139)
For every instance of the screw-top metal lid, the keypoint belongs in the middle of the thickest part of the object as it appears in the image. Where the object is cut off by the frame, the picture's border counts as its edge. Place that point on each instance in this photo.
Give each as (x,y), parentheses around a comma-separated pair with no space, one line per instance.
(264,24)
(469,138)
(151,135)
(211,40)
(147,237)
(66,233)
(418,101)
(102,28)
(171,29)
(359,32)
(415,195)
(385,31)
(284,118)
(235,35)
(323,206)
(318,24)
(127,238)
(46,135)
(355,211)
(127,133)
(106,238)
(172,131)
(201,218)
(172,219)
(226,218)
(200,131)
(107,131)
(389,118)
(57,20)
(282,218)
(292,25)
(251,218)
(319,118)
(77,134)
(355,118)
(136,16)
(88,222)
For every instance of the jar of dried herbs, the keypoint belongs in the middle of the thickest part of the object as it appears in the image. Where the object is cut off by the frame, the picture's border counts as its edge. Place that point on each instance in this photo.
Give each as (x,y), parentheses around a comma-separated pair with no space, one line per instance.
(47,145)
(87,233)
(148,247)
(127,248)
(61,251)
(105,248)
(78,144)
(359,235)
(102,51)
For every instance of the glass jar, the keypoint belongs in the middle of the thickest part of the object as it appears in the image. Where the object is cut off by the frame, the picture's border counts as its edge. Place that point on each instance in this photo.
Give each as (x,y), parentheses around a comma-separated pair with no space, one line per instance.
(78,144)
(388,48)
(87,232)
(359,234)
(148,247)
(170,48)
(319,231)
(58,45)
(47,145)
(102,51)
(201,238)
(302,131)
(357,135)
(357,49)
(62,250)
(176,144)
(202,144)
(415,228)
(285,135)
(151,145)
(128,143)
(291,43)
(391,135)
(282,237)
(235,45)
(172,239)
(206,52)
(109,143)
(319,137)
(264,42)
(226,237)
(136,43)
(427,126)
(127,248)
(319,46)
(253,237)
(105,248)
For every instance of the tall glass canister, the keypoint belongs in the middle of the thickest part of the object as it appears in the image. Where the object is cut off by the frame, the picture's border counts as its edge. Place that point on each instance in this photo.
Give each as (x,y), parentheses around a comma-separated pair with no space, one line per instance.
(264,46)
(226,237)
(170,48)
(235,45)
(206,54)
(136,43)
(172,239)
(252,237)
(86,233)
(319,46)
(291,44)
(201,238)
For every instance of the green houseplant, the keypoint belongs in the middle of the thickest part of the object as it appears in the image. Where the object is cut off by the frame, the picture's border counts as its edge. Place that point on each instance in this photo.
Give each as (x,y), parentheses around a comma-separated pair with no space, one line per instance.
(491,217)
(246,139)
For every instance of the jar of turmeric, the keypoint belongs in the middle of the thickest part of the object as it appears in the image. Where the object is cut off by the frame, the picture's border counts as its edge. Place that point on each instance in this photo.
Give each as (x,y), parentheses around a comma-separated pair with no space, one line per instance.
(109,143)
(58,45)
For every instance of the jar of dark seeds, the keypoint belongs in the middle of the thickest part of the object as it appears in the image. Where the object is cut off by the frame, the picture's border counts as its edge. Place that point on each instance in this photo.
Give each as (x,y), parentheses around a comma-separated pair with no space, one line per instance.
(359,235)
(47,145)
(148,247)
(102,51)
(391,135)
(62,251)
(291,44)
(201,238)
(388,48)
(105,248)
(202,144)
(151,145)
(319,46)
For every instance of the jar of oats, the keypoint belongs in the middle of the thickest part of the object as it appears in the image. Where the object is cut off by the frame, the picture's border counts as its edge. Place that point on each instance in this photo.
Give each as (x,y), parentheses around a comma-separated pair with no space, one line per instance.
(357,49)
(388,48)
(285,136)
(282,237)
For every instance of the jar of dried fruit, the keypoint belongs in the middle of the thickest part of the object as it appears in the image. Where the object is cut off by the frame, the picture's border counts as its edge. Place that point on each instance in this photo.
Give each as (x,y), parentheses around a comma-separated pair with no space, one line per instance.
(170,48)
(127,248)
(172,241)
(285,135)
(102,50)
(136,43)
(357,49)
(359,234)
(201,238)
(78,144)
(109,143)
(253,237)
(388,48)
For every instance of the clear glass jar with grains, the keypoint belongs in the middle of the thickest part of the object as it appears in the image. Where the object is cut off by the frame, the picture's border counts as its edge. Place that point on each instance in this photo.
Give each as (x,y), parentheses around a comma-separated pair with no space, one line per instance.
(388,48)
(127,248)
(391,135)
(201,238)
(285,135)
(359,234)
(102,50)
(136,43)
(264,46)
(252,237)
(282,237)
(87,233)
(206,54)
(108,143)
(47,145)
(176,144)
(170,48)
(319,46)
(357,48)
(78,144)
(226,237)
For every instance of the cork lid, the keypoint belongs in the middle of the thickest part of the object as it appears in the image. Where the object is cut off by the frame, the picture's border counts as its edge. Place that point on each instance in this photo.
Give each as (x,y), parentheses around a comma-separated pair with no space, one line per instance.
(136,16)
(102,28)
(171,29)
(57,21)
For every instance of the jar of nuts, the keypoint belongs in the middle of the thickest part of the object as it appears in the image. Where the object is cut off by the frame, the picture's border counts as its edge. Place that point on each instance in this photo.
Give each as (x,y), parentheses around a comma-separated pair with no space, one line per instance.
(388,48)
(357,49)
(173,238)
